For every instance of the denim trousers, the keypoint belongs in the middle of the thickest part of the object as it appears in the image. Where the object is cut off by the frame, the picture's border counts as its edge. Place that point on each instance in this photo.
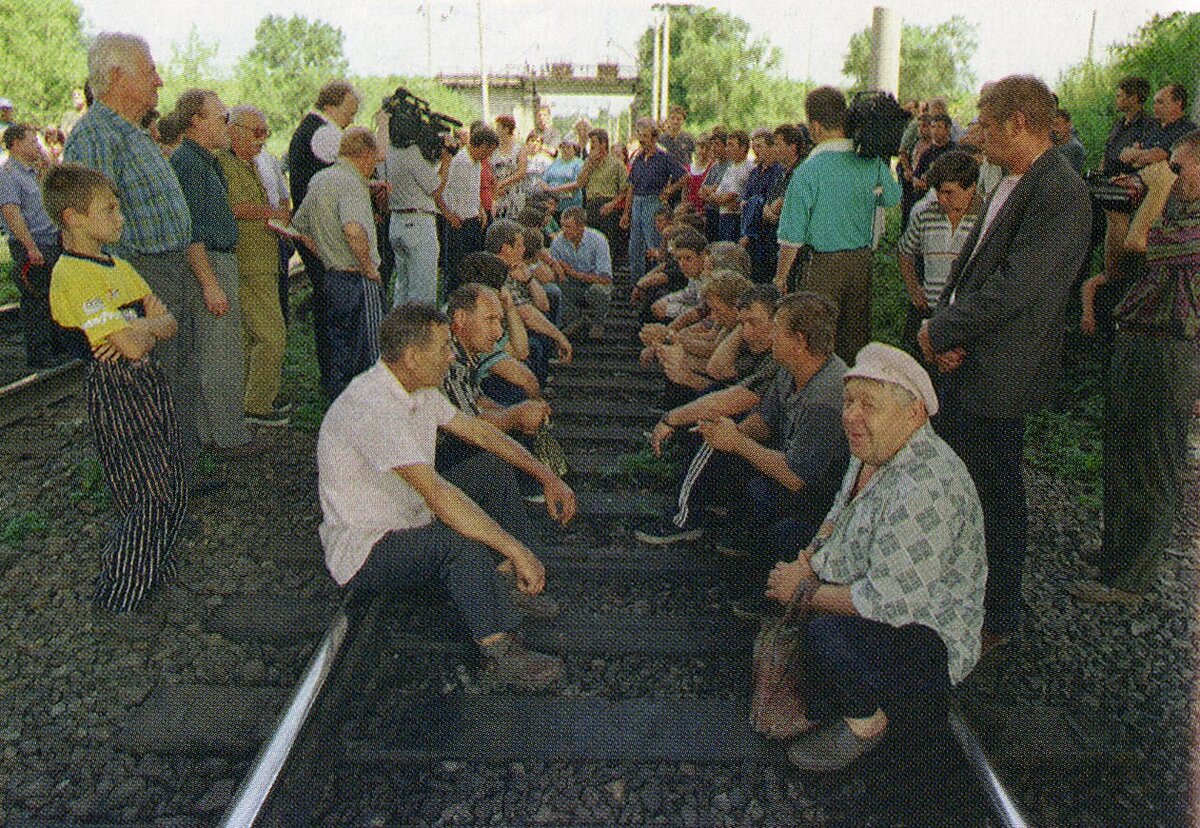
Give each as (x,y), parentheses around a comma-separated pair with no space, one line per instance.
(642,233)
(415,244)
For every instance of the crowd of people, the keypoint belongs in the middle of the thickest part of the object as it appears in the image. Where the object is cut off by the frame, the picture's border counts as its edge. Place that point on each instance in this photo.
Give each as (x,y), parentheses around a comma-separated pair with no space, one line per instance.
(880,487)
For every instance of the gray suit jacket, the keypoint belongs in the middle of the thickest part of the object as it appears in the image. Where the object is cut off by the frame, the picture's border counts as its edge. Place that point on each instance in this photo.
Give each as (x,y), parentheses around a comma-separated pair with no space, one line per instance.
(1010,295)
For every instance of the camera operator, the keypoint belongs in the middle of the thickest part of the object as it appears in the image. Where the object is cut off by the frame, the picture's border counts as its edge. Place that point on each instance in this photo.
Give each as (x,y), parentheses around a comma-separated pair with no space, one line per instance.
(412,231)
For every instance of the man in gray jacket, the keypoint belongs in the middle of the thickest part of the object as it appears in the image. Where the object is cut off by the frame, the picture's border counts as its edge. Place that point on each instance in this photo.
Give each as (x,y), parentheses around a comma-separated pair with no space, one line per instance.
(997,335)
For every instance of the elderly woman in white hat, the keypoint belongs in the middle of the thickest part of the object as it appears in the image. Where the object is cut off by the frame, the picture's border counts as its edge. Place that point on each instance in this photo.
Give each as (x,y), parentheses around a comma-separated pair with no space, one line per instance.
(899,568)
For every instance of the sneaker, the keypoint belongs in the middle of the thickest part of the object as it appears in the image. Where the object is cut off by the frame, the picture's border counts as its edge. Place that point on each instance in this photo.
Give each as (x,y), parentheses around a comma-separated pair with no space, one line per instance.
(275,418)
(830,747)
(663,532)
(507,662)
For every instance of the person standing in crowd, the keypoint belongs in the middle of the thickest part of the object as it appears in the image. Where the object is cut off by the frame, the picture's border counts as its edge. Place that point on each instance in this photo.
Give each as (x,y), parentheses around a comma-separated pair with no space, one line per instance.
(603,179)
(337,215)
(129,400)
(509,164)
(733,184)
(412,229)
(674,140)
(314,146)
(830,209)
(791,145)
(757,237)
(275,183)
(257,254)
(34,244)
(1127,132)
(548,136)
(220,352)
(587,265)
(560,178)
(712,179)
(460,202)
(939,142)
(652,178)
(1170,124)
(391,520)
(583,129)
(935,236)
(896,573)
(1067,142)
(157,230)
(1151,393)
(997,334)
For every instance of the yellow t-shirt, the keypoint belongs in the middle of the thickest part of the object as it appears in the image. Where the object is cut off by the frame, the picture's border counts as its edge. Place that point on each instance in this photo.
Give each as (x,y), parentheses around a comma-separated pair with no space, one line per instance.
(95,296)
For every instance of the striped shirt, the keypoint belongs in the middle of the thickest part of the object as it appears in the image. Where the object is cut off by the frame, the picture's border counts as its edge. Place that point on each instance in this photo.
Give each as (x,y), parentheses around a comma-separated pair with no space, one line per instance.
(930,237)
(1166,299)
(157,219)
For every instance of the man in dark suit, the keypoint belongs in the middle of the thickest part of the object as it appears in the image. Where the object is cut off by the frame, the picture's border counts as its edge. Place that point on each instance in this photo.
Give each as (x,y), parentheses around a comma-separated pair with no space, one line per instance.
(997,335)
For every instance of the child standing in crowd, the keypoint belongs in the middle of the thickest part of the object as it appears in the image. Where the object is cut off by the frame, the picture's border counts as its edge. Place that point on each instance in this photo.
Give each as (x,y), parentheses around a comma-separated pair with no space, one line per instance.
(128,398)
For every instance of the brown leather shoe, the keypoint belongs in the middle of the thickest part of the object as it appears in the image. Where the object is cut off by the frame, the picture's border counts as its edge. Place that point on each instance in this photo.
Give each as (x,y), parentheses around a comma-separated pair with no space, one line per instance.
(508,662)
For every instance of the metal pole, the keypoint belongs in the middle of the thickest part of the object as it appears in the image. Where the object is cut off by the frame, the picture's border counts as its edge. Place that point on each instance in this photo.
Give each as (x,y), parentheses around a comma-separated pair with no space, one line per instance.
(483,77)
(666,61)
(885,50)
(1092,38)
(657,68)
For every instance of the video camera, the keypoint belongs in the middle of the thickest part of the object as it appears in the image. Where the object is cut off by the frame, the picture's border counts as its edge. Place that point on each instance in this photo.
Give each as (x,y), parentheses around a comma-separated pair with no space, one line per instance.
(412,121)
(875,122)
(1119,194)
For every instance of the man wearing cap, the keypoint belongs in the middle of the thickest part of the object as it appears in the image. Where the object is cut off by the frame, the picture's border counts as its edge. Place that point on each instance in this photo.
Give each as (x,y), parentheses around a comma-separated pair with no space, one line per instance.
(898,570)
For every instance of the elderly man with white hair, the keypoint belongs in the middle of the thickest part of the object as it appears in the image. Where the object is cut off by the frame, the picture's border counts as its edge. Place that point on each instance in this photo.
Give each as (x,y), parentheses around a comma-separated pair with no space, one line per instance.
(896,574)
(158,224)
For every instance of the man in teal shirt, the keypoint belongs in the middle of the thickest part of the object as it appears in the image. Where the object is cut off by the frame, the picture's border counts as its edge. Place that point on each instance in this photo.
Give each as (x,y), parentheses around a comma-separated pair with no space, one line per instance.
(829,208)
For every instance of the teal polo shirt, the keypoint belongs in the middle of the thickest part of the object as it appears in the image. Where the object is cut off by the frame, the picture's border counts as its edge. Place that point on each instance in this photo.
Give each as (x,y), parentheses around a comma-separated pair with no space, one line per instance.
(830,202)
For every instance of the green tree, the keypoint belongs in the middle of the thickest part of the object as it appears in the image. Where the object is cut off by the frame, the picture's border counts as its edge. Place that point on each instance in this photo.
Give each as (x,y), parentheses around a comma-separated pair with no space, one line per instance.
(192,64)
(441,99)
(719,73)
(43,57)
(934,60)
(289,61)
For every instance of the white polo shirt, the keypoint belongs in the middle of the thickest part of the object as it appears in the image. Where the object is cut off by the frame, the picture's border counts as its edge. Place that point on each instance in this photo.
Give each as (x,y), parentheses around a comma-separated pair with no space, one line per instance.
(461,194)
(374,426)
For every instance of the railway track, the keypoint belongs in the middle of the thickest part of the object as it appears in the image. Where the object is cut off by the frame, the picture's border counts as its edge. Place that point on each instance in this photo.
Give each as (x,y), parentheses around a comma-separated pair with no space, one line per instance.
(650,724)
(24,392)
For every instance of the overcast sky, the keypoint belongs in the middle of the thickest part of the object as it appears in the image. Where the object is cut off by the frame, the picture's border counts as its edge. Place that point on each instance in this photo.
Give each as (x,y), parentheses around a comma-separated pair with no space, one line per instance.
(385,36)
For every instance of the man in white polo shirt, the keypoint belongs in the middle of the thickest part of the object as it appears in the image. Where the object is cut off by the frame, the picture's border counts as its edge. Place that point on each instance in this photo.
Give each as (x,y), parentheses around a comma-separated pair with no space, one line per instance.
(391,520)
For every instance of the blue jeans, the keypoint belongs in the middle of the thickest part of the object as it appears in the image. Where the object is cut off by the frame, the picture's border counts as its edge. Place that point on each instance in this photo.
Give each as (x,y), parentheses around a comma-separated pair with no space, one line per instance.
(415,244)
(642,233)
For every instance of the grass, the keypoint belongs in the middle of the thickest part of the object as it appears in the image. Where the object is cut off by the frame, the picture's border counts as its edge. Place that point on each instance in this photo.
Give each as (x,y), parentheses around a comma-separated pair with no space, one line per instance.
(21,526)
(91,485)
(8,288)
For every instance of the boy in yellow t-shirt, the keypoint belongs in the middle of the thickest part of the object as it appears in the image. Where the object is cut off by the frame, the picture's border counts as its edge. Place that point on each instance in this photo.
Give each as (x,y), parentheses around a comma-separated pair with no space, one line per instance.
(128,397)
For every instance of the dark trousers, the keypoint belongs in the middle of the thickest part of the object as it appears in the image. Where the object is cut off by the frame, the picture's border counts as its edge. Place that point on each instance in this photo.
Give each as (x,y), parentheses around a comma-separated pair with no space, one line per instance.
(854,666)
(46,344)
(315,271)
(712,223)
(1150,388)
(845,277)
(354,309)
(764,258)
(468,238)
(137,439)
(781,522)
(992,450)
(609,225)
(435,552)
(729,227)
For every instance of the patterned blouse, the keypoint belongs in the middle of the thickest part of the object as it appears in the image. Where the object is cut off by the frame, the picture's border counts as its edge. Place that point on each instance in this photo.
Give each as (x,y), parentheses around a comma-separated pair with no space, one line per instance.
(1166,299)
(910,546)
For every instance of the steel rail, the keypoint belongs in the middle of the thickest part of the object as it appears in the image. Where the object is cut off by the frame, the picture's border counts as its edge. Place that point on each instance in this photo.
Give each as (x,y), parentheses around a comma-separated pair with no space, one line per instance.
(1003,808)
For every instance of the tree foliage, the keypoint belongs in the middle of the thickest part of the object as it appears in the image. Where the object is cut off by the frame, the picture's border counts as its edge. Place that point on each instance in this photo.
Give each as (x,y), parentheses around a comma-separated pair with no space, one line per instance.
(43,57)
(193,63)
(289,61)
(719,73)
(934,60)
(1164,50)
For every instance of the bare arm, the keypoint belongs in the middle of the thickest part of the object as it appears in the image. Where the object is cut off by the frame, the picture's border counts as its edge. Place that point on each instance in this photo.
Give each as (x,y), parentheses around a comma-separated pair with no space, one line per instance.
(214,297)
(20,231)
(908,271)
(360,245)
(742,439)
(722,364)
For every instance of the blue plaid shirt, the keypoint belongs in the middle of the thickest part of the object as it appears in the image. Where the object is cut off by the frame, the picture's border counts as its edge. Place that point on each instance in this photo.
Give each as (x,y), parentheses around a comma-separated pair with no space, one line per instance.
(157,219)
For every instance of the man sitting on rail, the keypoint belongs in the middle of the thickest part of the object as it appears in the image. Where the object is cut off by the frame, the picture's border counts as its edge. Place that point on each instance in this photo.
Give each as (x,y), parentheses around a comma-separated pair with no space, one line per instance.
(391,520)
(901,566)
(778,469)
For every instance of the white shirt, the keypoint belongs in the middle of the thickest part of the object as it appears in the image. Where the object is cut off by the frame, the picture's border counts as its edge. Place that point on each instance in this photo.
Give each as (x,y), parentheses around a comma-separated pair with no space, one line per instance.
(461,195)
(270,171)
(734,181)
(1003,191)
(374,427)
(413,179)
(327,140)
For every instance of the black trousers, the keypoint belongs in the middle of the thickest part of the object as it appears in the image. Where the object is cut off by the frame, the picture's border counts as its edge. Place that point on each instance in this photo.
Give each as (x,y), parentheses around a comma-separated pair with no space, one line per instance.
(353,311)
(46,344)
(468,238)
(315,270)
